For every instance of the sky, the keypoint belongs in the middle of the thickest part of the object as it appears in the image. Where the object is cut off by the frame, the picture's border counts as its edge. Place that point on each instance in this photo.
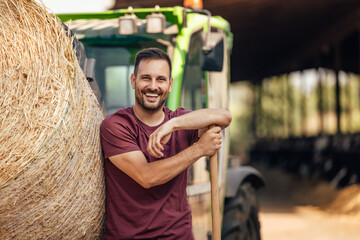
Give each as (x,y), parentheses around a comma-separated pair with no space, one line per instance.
(77,6)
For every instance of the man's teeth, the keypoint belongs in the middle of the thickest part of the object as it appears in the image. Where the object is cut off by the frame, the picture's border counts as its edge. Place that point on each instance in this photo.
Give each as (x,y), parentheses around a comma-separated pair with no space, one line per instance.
(151,95)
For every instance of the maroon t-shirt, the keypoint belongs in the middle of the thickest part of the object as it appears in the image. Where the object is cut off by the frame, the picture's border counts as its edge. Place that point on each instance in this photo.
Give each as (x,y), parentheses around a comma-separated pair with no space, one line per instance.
(133,212)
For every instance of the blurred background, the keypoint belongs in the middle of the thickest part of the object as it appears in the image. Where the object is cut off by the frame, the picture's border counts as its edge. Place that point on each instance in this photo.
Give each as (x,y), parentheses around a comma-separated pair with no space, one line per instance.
(295,101)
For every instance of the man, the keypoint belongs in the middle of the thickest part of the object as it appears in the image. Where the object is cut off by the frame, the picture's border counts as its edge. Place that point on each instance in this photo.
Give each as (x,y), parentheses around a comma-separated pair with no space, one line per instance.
(147,150)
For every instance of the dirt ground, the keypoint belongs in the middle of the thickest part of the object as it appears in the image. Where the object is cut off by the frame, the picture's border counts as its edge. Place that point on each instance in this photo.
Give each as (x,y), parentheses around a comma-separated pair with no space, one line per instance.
(293,208)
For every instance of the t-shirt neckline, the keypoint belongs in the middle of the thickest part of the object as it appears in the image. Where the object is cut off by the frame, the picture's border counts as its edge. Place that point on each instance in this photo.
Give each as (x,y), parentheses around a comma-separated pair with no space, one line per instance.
(147,127)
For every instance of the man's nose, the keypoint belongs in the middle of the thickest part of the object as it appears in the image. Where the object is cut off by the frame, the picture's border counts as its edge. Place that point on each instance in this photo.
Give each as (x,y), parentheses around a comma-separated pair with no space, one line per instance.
(153,84)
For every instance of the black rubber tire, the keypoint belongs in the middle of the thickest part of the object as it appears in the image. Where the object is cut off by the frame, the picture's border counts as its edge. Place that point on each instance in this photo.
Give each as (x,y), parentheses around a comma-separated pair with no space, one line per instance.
(240,221)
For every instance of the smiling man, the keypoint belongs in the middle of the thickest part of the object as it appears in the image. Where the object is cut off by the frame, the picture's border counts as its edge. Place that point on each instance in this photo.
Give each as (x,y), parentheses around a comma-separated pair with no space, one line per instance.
(147,150)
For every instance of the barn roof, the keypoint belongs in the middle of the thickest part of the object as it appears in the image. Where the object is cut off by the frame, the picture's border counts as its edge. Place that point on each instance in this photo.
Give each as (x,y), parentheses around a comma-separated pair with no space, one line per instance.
(272,37)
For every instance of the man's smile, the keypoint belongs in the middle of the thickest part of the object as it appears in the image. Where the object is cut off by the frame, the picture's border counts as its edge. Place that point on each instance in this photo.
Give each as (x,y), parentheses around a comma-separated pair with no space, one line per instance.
(152,97)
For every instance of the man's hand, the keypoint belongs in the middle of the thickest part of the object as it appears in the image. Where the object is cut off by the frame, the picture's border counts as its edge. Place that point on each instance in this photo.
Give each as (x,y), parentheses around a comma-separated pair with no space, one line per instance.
(158,139)
(210,141)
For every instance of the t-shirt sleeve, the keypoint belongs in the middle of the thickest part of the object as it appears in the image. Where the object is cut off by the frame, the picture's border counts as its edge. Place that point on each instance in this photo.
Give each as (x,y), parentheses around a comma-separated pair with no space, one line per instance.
(192,134)
(117,136)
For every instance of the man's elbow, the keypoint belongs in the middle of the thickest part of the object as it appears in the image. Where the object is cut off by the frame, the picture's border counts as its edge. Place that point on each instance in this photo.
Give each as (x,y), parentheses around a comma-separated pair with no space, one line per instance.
(147,181)
(146,185)
(226,118)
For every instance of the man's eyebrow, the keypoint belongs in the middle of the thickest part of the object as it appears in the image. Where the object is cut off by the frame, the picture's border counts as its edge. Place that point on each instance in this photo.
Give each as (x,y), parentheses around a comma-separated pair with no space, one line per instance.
(149,75)
(145,75)
(162,76)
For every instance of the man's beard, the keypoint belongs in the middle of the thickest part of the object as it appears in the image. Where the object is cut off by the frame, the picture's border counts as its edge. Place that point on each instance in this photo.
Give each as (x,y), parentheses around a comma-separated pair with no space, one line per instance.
(140,100)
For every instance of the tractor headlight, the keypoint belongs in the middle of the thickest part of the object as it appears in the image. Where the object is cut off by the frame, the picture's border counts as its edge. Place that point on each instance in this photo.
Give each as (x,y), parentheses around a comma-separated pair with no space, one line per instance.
(155,23)
(127,25)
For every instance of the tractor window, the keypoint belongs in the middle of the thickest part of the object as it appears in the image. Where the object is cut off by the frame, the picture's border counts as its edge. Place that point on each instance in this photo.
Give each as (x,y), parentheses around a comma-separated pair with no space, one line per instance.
(118,88)
(194,87)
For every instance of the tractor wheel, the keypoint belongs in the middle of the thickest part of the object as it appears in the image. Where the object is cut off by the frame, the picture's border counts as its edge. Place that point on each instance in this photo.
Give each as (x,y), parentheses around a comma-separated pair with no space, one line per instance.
(240,221)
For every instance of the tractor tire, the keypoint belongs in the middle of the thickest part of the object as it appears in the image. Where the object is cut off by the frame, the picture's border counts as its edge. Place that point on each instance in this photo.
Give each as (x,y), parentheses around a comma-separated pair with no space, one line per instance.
(240,221)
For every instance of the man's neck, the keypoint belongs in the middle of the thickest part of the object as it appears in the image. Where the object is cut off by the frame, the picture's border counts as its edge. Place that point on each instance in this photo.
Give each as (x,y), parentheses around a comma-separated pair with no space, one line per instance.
(149,118)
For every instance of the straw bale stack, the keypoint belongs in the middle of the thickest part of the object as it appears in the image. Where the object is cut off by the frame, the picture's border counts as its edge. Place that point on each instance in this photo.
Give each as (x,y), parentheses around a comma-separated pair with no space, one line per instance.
(51,171)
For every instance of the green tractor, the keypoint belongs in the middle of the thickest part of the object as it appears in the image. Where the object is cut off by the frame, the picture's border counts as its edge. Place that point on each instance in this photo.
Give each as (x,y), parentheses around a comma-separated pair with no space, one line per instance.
(199,46)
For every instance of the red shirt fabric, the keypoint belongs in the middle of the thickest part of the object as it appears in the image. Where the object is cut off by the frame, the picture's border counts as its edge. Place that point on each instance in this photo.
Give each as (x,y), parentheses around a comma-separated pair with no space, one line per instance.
(133,212)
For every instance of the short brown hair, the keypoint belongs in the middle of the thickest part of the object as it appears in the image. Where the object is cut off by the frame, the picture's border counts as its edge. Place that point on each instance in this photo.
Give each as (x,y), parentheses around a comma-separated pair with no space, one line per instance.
(151,53)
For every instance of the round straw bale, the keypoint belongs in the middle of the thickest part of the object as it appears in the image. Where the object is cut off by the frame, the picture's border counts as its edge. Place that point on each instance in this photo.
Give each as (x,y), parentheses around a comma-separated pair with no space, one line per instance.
(51,169)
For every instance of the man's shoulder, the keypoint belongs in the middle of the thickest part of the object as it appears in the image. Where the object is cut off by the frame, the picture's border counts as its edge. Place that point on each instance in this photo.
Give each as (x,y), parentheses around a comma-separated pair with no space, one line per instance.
(123,116)
(119,114)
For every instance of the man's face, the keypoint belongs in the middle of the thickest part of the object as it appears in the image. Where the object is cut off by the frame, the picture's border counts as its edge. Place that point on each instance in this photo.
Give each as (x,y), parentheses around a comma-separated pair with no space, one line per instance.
(152,84)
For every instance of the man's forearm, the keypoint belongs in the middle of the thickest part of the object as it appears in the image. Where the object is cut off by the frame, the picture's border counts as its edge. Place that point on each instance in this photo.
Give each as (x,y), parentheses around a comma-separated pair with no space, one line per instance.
(201,118)
(162,171)
(150,174)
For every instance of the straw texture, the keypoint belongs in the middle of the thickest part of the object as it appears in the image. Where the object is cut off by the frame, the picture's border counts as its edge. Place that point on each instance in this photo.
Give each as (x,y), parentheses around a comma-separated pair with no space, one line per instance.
(51,171)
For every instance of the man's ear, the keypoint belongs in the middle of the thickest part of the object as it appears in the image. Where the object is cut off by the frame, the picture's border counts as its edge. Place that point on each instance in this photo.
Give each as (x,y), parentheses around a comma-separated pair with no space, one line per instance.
(170,84)
(132,78)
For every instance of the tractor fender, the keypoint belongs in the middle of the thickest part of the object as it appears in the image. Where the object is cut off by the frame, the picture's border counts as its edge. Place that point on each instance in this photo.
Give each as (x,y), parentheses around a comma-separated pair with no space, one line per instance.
(238,175)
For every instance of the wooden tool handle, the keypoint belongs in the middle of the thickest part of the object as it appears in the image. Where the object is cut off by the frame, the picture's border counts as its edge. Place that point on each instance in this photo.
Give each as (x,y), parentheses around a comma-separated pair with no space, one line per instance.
(215,201)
